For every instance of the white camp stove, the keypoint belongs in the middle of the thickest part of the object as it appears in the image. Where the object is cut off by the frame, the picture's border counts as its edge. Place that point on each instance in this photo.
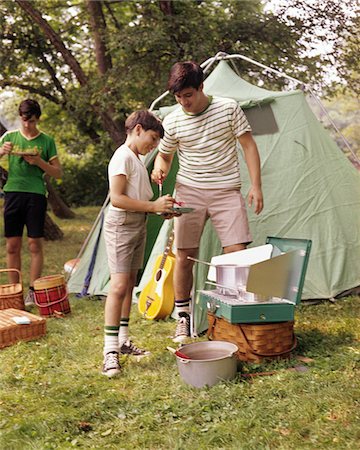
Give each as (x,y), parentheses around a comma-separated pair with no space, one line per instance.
(273,288)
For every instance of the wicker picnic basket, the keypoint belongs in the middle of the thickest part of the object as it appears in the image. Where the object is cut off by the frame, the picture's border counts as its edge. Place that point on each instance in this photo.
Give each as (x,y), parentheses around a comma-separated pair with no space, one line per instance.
(11,295)
(11,332)
(256,342)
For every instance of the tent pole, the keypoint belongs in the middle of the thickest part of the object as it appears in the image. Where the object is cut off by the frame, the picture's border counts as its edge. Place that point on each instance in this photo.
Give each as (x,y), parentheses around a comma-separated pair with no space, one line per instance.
(346,143)
(280,74)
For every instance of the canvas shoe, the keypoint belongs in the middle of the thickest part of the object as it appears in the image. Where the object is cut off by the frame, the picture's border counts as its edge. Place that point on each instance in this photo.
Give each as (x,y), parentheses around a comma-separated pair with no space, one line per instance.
(182,332)
(30,298)
(128,348)
(111,365)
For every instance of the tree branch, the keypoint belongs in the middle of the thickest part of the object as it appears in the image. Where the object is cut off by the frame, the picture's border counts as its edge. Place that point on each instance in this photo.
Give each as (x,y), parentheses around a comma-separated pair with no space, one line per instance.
(32,89)
(55,39)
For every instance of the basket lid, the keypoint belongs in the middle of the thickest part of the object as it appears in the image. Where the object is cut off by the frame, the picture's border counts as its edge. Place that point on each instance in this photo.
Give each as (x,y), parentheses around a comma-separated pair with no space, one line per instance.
(48,282)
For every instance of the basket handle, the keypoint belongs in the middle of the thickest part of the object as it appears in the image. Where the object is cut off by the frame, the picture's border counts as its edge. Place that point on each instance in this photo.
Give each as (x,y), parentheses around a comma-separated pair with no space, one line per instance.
(13,270)
(247,344)
(210,331)
(45,305)
(211,327)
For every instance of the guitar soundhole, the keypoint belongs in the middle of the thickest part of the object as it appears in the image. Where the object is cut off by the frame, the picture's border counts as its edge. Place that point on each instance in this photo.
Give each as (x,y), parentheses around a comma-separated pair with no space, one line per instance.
(158,275)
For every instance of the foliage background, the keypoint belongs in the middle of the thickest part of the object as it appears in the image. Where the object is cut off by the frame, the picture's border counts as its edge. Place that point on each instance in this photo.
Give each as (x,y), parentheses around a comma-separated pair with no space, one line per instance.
(91,63)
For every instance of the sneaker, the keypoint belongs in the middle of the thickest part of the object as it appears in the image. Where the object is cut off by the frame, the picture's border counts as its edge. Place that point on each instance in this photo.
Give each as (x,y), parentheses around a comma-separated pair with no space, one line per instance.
(182,332)
(128,348)
(111,366)
(30,298)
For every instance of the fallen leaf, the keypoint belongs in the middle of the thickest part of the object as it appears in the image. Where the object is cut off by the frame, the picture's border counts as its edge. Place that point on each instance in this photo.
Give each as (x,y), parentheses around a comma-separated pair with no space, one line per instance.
(107,432)
(85,426)
(284,431)
(304,359)
(332,416)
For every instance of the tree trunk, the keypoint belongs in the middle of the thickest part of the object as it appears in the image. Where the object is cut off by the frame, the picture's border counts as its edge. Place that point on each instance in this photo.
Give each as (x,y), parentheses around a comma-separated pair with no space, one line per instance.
(109,125)
(51,231)
(58,206)
(2,129)
(166,7)
(69,59)
(98,25)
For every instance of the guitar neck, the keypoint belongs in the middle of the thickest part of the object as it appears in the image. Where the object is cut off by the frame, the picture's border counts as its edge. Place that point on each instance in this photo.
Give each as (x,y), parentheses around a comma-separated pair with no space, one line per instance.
(167,249)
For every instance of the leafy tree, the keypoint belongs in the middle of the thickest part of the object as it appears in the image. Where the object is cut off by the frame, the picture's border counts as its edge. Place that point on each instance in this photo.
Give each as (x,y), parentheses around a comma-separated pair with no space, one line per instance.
(91,63)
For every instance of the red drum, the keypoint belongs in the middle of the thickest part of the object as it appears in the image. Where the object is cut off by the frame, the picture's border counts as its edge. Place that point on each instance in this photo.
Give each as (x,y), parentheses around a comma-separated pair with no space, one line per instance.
(51,296)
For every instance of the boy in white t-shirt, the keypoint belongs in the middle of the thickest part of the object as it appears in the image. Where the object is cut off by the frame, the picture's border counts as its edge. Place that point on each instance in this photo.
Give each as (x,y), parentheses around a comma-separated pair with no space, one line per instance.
(125,231)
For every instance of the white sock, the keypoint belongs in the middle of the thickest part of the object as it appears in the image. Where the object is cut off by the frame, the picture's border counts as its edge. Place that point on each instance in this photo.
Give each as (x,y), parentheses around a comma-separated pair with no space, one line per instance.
(111,338)
(183,306)
(124,331)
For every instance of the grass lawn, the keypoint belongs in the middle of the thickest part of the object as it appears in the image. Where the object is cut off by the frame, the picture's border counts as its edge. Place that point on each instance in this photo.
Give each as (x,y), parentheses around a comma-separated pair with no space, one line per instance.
(52,395)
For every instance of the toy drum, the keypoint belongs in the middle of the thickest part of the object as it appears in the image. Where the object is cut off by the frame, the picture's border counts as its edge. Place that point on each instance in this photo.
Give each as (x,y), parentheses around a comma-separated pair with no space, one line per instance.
(51,296)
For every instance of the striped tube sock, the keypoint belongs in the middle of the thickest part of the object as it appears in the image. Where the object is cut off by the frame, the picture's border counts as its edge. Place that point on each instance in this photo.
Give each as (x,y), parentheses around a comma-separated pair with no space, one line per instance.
(111,337)
(183,306)
(124,331)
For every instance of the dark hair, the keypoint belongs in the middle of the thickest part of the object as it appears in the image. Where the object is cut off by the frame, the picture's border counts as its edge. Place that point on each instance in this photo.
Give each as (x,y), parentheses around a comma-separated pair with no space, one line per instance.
(184,75)
(28,108)
(146,119)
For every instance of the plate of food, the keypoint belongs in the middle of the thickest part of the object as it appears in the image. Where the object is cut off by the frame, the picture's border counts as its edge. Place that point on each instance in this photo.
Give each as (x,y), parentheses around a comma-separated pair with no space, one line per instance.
(25,153)
(182,209)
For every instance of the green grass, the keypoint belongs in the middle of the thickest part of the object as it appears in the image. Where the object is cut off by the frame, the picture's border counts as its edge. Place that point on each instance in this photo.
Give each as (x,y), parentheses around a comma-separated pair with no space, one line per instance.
(52,395)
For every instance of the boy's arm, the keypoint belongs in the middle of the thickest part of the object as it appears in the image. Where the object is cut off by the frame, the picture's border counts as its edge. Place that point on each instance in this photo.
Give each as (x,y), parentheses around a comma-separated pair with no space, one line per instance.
(119,199)
(252,159)
(5,145)
(162,166)
(52,168)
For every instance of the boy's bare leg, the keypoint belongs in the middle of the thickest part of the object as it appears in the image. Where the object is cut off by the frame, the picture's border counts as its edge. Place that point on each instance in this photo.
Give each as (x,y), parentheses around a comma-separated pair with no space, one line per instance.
(36,258)
(114,301)
(183,276)
(13,256)
(126,306)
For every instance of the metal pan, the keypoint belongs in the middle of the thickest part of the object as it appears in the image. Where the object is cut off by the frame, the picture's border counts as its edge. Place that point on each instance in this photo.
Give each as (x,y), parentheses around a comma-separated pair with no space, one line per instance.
(230,276)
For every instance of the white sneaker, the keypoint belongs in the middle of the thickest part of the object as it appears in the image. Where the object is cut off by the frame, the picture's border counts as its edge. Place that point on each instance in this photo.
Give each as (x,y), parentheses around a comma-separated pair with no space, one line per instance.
(128,348)
(182,332)
(111,365)
(30,298)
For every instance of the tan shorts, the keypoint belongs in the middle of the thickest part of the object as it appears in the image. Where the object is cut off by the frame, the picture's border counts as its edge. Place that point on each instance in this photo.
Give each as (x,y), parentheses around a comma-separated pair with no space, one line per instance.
(226,209)
(125,235)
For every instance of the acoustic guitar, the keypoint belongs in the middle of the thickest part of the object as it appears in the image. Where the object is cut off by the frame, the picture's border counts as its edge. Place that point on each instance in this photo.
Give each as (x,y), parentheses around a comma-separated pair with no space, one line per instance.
(157,299)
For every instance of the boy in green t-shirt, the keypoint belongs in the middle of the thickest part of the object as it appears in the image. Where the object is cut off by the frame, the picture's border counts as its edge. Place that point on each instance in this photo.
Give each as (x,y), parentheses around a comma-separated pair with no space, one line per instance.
(31,154)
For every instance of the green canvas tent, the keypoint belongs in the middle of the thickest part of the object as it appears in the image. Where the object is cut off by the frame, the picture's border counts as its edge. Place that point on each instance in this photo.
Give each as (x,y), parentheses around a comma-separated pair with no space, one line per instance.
(311,191)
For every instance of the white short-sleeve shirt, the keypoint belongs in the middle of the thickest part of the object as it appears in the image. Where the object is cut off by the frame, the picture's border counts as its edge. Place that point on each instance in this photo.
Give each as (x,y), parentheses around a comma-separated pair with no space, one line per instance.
(125,162)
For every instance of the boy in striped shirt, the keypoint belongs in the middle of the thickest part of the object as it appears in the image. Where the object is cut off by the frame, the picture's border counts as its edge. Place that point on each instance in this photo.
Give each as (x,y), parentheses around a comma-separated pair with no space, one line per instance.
(204,132)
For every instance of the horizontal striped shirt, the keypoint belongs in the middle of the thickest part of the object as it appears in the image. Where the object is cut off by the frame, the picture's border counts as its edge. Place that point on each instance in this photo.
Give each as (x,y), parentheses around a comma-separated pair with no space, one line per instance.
(206,144)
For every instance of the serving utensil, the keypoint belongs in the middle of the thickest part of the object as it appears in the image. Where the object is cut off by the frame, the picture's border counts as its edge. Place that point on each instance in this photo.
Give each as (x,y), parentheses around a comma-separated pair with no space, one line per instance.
(178,353)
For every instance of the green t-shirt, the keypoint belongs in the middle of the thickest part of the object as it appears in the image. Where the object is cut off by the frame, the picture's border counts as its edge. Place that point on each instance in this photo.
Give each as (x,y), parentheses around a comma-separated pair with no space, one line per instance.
(24,177)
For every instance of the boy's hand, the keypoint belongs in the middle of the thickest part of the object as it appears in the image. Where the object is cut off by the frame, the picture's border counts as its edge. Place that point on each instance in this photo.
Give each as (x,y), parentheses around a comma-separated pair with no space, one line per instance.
(32,159)
(158,176)
(6,148)
(256,197)
(164,204)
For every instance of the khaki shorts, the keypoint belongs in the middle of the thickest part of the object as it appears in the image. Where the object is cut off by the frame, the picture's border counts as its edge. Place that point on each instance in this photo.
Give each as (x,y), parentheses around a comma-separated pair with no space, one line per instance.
(125,235)
(226,209)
